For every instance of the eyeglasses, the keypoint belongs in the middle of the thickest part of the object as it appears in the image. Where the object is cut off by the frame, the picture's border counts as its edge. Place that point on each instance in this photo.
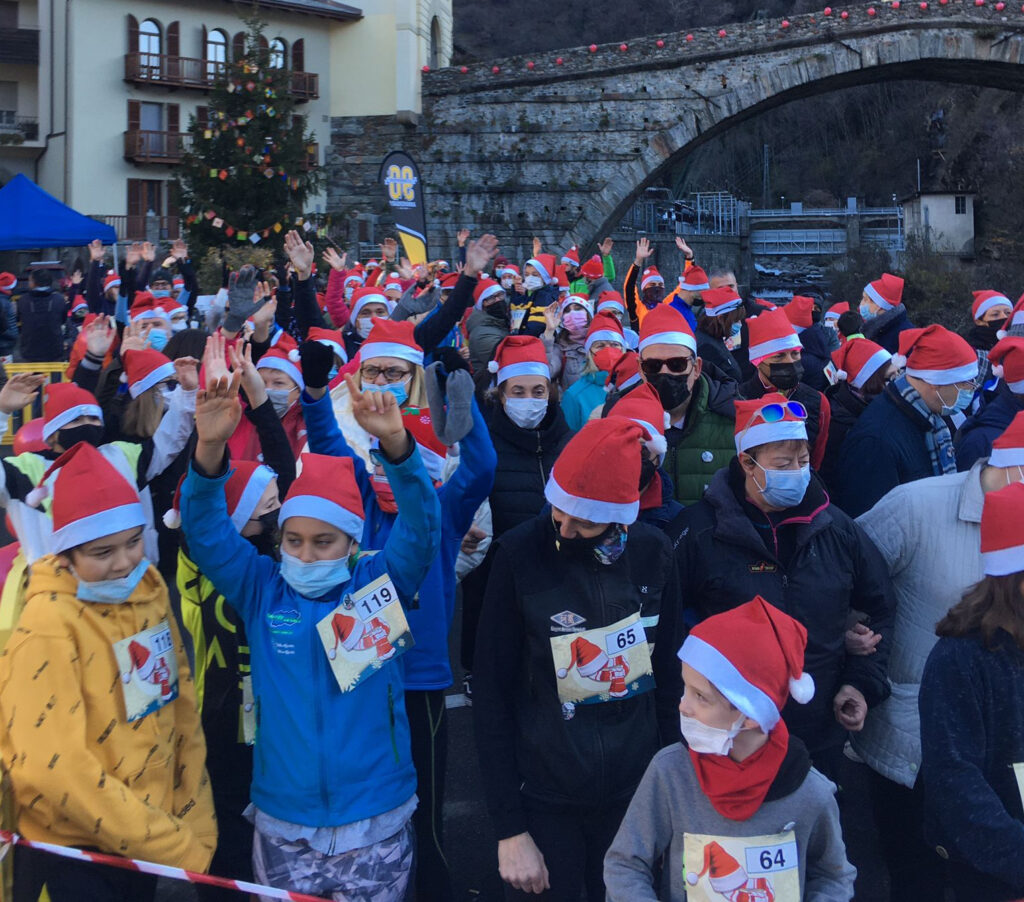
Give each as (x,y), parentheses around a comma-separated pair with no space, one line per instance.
(391,374)
(772,413)
(651,366)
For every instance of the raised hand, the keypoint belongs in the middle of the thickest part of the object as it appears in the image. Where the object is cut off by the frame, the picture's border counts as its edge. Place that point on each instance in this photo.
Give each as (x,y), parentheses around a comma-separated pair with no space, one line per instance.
(551,317)
(407,271)
(148,252)
(20,391)
(96,251)
(242,302)
(215,365)
(379,414)
(132,255)
(643,252)
(389,249)
(263,318)
(537,246)
(76,277)
(218,412)
(335,260)
(252,382)
(605,247)
(186,371)
(100,336)
(300,253)
(132,338)
(179,250)
(479,254)
(462,237)
(684,247)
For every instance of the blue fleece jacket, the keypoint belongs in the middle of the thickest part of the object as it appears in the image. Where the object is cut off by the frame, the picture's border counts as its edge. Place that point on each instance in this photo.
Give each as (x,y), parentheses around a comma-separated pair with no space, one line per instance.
(582,397)
(323,757)
(427,663)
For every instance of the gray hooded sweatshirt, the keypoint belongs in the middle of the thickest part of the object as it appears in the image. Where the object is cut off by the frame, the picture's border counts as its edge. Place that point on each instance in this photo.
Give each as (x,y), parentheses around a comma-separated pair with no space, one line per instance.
(669,803)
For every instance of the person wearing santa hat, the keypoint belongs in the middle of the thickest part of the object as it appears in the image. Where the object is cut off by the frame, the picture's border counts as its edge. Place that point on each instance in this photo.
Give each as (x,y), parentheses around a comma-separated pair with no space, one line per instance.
(604,344)
(830,318)
(538,291)
(883,312)
(907,433)
(335,767)
(718,322)
(598,280)
(699,408)
(453,414)
(565,337)
(8,316)
(863,369)
(974,438)
(740,774)
(817,342)
(972,735)
(776,354)
(42,312)
(928,533)
(91,765)
(558,774)
(765,526)
(990,312)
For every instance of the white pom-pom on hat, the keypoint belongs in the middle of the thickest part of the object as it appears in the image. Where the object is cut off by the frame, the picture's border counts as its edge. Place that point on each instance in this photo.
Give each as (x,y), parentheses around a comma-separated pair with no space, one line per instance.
(842,375)
(1001,334)
(37,496)
(172,518)
(997,371)
(899,361)
(802,689)
(492,366)
(658,444)
(294,356)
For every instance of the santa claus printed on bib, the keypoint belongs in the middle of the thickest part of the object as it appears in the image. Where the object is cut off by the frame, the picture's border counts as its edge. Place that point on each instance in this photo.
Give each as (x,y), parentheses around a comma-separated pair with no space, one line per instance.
(741,868)
(603,664)
(365,630)
(149,670)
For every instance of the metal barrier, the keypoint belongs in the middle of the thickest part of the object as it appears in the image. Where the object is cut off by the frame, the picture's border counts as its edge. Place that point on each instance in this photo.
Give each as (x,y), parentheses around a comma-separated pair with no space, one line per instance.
(55,370)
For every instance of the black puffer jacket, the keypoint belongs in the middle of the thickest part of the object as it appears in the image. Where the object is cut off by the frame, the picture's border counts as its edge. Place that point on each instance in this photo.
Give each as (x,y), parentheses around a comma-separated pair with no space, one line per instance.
(846,407)
(811,561)
(713,350)
(525,458)
(816,355)
(597,755)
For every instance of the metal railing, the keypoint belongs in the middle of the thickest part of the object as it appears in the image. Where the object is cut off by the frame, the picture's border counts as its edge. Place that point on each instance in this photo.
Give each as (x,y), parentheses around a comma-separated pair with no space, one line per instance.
(192,72)
(826,213)
(141,146)
(15,129)
(798,242)
(142,227)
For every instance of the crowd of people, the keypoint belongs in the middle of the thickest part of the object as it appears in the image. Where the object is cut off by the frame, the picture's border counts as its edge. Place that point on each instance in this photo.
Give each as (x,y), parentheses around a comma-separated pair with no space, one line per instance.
(710,551)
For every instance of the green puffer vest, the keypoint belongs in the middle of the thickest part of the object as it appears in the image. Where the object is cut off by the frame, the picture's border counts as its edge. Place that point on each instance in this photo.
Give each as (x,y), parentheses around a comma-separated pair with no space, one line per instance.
(707,445)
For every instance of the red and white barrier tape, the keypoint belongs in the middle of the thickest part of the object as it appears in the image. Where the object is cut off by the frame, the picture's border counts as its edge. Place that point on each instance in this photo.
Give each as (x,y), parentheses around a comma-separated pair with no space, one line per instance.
(150,867)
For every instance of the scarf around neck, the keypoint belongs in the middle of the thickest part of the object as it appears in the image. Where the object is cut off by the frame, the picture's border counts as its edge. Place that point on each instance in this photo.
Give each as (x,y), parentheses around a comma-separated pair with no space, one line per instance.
(937,439)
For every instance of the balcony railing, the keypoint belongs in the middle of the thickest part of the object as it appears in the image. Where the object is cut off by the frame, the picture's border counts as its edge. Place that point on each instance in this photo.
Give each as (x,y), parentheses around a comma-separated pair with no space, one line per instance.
(143,227)
(19,45)
(189,72)
(15,129)
(142,146)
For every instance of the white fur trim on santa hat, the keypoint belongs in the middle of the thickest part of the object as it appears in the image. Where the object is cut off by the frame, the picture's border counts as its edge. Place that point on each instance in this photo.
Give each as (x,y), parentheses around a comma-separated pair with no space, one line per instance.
(1006,457)
(164,371)
(788,342)
(752,701)
(489,291)
(964,373)
(391,349)
(339,351)
(72,413)
(548,277)
(763,433)
(683,339)
(651,279)
(1003,561)
(604,335)
(997,300)
(377,298)
(524,368)
(872,293)
(1016,387)
(352,277)
(611,304)
(590,508)
(872,365)
(322,509)
(266,362)
(95,526)
(251,495)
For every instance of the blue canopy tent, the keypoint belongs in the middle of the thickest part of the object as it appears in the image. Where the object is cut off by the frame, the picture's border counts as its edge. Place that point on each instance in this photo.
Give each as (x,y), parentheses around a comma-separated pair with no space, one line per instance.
(30,218)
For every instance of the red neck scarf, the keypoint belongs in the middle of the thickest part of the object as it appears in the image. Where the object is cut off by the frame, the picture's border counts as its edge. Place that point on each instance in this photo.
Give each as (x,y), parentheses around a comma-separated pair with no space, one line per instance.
(736,789)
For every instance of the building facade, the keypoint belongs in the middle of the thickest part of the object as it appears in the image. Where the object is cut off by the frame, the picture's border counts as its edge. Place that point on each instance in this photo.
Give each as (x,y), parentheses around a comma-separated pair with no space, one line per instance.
(942,221)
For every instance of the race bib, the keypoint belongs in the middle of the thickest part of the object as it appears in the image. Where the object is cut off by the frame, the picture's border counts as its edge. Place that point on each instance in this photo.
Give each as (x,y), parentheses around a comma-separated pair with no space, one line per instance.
(604,664)
(831,373)
(365,630)
(248,711)
(517,319)
(741,869)
(149,670)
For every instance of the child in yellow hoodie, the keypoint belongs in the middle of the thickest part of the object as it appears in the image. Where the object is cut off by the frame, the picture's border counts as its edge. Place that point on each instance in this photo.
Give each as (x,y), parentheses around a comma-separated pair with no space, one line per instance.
(100,733)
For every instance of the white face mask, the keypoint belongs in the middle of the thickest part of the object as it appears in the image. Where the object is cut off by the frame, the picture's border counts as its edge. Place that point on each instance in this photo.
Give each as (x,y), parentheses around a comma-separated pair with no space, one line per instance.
(526,413)
(707,740)
(532,283)
(363,326)
(314,579)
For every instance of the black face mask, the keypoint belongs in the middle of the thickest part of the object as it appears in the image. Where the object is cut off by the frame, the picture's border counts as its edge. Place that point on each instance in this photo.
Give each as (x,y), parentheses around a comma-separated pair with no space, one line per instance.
(996,325)
(499,310)
(673,391)
(269,520)
(579,547)
(648,468)
(265,543)
(89,433)
(785,376)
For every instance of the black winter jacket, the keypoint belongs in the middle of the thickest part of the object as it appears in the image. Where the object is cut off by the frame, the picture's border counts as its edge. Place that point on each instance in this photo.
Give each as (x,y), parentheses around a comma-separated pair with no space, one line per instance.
(974,439)
(846,407)
(816,355)
(595,754)
(713,350)
(811,561)
(42,312)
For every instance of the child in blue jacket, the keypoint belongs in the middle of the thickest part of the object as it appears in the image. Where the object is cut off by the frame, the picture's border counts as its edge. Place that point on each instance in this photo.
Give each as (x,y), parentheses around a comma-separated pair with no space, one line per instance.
(333,785)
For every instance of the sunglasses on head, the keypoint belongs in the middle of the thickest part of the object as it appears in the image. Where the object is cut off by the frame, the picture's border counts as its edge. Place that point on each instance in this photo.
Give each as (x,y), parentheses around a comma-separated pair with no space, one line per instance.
(774,412)
(651,366)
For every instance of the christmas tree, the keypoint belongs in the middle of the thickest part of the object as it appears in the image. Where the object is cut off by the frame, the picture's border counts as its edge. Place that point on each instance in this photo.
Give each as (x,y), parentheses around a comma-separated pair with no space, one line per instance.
(251,166)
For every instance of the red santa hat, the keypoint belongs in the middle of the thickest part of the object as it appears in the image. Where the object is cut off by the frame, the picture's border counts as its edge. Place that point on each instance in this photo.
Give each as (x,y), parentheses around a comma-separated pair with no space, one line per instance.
(719,301)
(142,307)
(509,269)
(372,263)
(326,490)
(7,282)
(519,355)
(329,337)
(643,406)
(449,281)
(886,292)
(770,418)
(369,295)
(392,284)
(835,311)
(694,279)
(91,499)
(485,288)
(286,362)
(597,475)
(64,402)
(800,312)
(432,450)
(588,659)
(243,491)
(1016,317)
(610,300)
(111,280)
(858,360)
(1008,448)
(283,341)
(937,356)
(390,339)
(771,332)
(144,369)
(580,299)
(986,300)
(545,266)
(168,306)
(725,874)
(625,373)
(80,304)
(352,277)
(593,268)
(1002,531)
(562,279)
(665,325)
(651,276)
(571,257)
(754,655)
(1007,359)
(178,282)
(604,327)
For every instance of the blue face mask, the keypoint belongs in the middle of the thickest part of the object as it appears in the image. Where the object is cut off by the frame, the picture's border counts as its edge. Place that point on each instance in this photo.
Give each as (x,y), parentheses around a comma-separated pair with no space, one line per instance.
(785,488)
(396,388)
(866,312)
(332,374)
(735,329)
(158,339)
(113,591)
(161,292)
(315,578)
(964,396)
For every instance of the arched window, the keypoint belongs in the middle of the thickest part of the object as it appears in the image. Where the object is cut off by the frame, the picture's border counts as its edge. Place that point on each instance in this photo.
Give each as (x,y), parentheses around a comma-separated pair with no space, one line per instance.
(435,44)
(149,48)
(278,54)
(216,52)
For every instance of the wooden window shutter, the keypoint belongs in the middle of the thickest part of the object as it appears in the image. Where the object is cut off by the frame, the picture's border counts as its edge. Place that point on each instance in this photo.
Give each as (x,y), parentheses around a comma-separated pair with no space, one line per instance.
(299,56)
(133,34)
(174,39)
(134,115)
(172,198)
(135,197)
(238,46)
(173,117)
(203,116)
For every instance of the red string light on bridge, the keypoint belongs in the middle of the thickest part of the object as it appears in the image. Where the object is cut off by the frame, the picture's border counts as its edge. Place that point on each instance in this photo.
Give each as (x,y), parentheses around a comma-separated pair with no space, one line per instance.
(593,48)
(623,47)
(689,37)
(785,23)
(721,32)
(844,15)
(827,10)
(659,43)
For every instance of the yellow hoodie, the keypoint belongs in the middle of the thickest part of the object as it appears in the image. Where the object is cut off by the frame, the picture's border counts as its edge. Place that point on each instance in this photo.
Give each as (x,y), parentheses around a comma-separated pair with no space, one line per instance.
(83,775)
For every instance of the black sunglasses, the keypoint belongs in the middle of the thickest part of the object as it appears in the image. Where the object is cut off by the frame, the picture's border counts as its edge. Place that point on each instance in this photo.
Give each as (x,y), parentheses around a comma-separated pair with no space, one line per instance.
(651,366)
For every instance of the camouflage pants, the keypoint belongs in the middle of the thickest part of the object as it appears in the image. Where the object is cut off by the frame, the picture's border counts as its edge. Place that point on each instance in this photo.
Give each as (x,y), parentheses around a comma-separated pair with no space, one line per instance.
(377,873)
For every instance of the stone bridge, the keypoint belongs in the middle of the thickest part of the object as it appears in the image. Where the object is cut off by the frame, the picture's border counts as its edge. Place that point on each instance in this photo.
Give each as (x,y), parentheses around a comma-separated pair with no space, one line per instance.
(559,144)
